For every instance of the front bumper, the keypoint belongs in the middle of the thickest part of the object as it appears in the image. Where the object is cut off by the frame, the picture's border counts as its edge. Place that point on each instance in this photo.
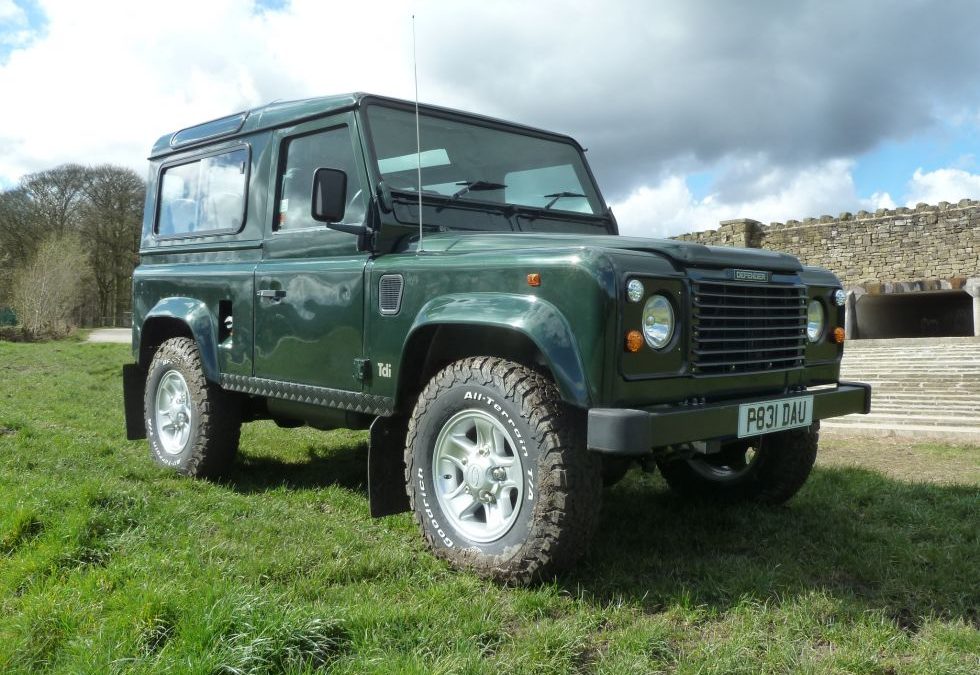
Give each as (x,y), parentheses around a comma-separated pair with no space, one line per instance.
(618,431)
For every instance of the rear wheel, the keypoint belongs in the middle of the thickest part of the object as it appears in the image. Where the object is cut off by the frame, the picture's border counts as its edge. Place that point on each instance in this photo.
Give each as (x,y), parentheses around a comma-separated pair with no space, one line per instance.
(193,426)
(768,469)
(498,475)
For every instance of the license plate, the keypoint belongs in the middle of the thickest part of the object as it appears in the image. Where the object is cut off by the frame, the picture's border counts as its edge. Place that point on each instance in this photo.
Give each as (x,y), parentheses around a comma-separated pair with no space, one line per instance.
(768,416)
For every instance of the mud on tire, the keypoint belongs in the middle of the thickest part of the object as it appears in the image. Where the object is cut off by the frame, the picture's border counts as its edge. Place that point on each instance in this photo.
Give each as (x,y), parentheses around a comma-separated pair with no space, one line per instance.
(497,472)
(192,426)
(779,467)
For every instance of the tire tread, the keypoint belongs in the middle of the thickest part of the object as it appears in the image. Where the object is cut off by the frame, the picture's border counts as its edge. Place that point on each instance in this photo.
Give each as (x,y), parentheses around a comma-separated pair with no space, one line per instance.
(219,430)
(569,488)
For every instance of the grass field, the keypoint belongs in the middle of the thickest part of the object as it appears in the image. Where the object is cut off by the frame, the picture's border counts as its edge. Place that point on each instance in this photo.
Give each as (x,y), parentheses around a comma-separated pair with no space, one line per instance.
(108,563)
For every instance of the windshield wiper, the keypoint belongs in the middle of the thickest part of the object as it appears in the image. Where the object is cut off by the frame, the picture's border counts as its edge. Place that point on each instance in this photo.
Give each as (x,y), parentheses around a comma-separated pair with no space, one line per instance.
(555,196)
(476,186)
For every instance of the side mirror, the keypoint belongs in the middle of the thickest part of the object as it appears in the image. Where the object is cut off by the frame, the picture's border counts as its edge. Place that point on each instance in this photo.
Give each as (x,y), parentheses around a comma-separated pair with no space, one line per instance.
(329,195)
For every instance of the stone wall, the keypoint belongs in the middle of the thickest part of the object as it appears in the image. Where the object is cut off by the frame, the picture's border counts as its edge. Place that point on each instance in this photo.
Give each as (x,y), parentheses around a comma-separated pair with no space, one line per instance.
(928,246)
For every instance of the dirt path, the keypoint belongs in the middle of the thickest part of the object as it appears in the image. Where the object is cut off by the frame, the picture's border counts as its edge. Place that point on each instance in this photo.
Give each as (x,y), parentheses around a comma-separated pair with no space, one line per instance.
(120,335)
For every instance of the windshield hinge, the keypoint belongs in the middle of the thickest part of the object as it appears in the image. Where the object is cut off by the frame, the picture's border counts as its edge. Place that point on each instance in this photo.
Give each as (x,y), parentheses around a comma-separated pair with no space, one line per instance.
(362,369)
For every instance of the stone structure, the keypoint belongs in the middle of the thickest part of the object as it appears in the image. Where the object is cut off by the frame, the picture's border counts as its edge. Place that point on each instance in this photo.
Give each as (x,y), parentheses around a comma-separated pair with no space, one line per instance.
(908,272)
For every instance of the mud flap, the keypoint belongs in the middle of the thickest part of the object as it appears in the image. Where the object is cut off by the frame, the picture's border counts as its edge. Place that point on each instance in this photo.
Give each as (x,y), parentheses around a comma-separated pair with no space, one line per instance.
(134,379)
(386,466)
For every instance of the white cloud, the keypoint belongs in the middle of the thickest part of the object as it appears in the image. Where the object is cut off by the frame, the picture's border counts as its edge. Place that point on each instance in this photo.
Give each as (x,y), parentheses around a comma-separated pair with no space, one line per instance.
(656,83)
(10,13)
(942,185)
(670,207)
(109,77)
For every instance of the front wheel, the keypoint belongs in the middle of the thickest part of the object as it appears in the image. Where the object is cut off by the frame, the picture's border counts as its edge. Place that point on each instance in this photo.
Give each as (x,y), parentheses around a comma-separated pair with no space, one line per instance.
(497,471)
(193,426)
(768,469)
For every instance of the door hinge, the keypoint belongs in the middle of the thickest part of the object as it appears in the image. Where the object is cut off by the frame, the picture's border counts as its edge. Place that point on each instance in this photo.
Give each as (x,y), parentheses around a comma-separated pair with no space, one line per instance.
(362,369)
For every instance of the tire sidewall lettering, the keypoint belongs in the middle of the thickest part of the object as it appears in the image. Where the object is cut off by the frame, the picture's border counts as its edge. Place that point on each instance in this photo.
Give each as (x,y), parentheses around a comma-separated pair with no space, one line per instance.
(520,441)
(449,402)
(427,510)
(158,370)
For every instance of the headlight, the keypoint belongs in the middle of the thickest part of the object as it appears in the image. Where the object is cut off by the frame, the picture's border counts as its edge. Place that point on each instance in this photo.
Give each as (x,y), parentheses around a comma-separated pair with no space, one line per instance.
(634,290)
(658,321)
(814,320)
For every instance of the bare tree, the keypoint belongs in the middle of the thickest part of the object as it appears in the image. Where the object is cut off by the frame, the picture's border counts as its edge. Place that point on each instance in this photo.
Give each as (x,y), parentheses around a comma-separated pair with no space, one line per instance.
(18,233)
(102,204)
(16,244)
(56,195)
(47,288)
(111,222)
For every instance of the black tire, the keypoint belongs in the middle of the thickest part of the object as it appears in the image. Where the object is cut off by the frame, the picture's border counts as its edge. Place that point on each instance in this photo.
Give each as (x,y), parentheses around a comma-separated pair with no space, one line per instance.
(212,417)
(556,511)
(781,465)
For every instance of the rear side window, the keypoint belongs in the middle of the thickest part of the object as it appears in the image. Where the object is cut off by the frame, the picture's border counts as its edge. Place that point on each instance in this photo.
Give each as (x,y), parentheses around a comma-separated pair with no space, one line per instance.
(204,196)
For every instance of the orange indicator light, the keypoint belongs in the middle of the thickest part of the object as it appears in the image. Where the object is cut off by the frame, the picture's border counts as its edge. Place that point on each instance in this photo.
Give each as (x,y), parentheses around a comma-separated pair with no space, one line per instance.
(839,335)
(533,279)
(634,341)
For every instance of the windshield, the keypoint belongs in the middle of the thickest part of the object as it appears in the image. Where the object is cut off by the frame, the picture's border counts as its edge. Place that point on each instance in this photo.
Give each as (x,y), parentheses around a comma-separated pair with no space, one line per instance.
(467,162)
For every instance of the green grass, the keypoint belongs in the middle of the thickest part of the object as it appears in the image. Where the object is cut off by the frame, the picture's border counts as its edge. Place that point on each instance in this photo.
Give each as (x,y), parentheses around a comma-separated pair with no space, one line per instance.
(108,563)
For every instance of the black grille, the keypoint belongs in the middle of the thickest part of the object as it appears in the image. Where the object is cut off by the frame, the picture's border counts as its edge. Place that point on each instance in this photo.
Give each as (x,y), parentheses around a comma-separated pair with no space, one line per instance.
(747,327)
(390,293)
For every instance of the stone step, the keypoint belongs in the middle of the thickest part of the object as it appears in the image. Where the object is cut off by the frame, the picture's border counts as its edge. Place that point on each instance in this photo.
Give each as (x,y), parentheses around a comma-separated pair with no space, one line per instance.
(959,385)
(904,359)
(938,349)
(931,387)
(900,419)
(936,384)
(956,433)
(924,377)
(847,423)
(964,397)
(913,411)
(968,352)
(941,404)
(964,357)
(920,407)
(944,365)
(919,387)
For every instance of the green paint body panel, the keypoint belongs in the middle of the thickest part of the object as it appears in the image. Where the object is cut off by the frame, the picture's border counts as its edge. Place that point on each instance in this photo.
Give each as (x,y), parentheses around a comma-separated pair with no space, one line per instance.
(529,315)
(305,305)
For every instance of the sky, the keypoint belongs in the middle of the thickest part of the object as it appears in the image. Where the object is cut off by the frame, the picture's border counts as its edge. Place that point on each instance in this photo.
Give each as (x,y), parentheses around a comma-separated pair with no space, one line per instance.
(692,112)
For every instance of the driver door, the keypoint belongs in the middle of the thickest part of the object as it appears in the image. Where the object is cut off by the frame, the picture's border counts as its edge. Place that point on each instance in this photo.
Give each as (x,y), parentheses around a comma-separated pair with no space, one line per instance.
(309,304)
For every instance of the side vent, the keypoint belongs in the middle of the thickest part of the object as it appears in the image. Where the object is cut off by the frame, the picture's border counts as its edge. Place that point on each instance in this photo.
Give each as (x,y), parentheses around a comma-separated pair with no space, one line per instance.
(390,293)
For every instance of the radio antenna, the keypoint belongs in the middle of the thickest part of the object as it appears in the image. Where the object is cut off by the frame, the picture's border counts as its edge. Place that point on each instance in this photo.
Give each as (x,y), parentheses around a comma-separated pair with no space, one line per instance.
(418,135)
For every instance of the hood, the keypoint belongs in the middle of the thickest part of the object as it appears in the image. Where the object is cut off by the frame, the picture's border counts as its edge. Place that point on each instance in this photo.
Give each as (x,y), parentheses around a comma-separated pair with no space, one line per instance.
(683,253)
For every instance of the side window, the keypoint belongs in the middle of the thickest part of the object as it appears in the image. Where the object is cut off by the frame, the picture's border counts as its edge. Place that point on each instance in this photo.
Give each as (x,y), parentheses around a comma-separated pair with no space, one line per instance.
(301,156)
(204,196)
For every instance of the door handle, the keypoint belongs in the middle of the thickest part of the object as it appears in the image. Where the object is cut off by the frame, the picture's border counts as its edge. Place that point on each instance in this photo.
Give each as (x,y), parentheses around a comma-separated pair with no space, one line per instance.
(272,294)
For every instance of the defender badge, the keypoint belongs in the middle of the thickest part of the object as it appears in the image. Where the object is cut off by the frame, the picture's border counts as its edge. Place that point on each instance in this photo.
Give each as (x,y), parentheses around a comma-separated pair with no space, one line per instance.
(749,275)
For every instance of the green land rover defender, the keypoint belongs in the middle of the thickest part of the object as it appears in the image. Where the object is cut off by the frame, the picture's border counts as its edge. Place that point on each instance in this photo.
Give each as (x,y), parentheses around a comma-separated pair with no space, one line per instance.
(470,301)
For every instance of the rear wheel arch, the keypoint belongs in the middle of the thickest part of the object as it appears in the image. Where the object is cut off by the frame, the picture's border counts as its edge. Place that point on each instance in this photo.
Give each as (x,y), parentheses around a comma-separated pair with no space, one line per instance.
(180,317)
(156,331)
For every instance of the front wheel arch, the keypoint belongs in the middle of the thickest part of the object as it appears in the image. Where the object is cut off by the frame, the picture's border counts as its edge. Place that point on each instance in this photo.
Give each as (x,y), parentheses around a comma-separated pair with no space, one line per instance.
(431,347)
